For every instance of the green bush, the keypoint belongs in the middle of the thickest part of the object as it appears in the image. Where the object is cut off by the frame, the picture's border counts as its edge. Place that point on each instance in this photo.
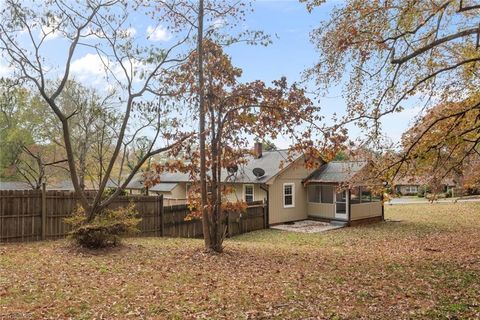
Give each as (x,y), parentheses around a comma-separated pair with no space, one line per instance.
(110,191)
(421,192)
(106,229)
(449,193)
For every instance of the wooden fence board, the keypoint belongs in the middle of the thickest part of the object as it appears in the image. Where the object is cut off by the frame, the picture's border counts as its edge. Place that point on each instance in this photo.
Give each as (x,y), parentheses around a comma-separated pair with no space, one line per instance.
(21,216)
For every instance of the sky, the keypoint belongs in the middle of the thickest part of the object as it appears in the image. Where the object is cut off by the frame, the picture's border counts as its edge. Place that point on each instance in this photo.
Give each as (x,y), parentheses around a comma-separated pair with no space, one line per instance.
(289,24)
(292,52)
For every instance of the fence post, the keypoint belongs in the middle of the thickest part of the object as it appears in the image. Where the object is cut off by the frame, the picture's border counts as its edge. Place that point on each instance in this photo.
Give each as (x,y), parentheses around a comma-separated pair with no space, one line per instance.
(162,220)
(44,211)
(265,221)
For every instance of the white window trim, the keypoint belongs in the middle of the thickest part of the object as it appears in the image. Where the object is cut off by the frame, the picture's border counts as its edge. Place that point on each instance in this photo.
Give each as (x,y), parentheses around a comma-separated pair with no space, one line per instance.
(411,189)
(188,185)
(244,193)
(293,195)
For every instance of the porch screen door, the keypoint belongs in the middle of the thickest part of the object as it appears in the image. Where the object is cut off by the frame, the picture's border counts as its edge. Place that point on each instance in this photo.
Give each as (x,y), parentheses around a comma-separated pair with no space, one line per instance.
(341,205)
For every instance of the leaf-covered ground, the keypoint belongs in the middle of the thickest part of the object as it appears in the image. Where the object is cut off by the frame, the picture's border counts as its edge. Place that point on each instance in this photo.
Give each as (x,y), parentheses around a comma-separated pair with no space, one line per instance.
(425,264)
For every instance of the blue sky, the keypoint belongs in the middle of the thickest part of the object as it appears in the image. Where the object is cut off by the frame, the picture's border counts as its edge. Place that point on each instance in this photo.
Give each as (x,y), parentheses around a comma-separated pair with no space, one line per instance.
(289,24)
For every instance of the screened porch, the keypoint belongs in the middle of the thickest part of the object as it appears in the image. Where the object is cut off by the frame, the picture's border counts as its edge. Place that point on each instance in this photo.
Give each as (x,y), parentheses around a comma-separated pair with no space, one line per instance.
(329,201)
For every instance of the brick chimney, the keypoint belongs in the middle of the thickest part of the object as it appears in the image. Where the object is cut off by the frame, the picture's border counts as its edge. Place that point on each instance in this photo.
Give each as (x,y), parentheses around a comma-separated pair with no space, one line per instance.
(257,150)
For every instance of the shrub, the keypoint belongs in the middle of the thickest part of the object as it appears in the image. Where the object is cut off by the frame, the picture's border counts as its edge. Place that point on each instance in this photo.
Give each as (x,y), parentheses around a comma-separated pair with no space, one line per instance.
(110,191)
(421,192)
(106,229)
(449,193)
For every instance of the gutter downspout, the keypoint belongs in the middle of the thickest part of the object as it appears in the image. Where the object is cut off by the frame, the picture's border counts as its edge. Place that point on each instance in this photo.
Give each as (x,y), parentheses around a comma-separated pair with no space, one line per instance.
(267,215)
(349,199)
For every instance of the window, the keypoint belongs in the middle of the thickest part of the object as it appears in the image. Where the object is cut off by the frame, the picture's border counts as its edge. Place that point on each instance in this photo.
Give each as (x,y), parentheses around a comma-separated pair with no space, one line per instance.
(365,195)
(314,193)
(355,195)
(288,195)
(411,189)
(327,194)
(320,193)
(248,193)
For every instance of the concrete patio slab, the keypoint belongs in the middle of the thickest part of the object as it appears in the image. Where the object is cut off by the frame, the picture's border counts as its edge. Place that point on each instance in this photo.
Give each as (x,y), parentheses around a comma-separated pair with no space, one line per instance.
(307,226)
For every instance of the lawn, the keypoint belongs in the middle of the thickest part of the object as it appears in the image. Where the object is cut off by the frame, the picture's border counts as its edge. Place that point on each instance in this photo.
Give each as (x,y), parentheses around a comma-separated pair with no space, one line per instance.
(424,262)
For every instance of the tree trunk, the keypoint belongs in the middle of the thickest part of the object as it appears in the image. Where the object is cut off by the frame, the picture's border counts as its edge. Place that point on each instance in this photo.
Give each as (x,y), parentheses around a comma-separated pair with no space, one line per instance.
(201,119)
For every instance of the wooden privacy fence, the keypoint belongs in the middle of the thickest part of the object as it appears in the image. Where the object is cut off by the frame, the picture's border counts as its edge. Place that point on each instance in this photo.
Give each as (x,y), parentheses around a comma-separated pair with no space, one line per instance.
(29,215)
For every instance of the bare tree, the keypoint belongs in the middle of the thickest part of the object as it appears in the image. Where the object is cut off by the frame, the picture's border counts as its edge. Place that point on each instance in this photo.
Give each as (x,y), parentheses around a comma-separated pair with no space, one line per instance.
(102,29)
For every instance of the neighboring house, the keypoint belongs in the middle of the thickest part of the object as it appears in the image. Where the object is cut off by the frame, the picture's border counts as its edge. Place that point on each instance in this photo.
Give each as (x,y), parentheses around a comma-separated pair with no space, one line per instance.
(292,191)
(14,185)
(409,186)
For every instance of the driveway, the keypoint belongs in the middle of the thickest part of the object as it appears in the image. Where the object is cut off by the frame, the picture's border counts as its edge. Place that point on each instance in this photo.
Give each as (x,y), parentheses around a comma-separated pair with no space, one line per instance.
(416,200)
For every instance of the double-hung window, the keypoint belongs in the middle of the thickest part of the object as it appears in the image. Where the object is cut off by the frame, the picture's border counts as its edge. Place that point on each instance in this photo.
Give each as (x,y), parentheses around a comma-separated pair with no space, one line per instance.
(248,193)
(288,195)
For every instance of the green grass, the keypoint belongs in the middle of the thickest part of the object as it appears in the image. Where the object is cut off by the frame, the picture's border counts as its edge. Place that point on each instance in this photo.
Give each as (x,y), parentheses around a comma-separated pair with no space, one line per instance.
(426,265)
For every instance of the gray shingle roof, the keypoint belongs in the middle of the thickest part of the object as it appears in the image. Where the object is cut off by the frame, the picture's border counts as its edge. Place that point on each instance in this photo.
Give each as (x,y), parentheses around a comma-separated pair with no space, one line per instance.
(337,171)
(137,183)
(14,185)
(270,162)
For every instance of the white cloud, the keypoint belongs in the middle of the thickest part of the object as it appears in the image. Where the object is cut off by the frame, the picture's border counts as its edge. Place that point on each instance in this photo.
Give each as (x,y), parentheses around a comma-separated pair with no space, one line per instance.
(5,70)
(95,69)
(219,23)
(158,33)
(50,31)
(129,32)
(89,66)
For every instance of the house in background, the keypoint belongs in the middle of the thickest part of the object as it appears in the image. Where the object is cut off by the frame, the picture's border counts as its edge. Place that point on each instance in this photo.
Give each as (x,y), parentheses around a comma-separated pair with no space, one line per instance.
(292,191)
(14,185)
(410,186)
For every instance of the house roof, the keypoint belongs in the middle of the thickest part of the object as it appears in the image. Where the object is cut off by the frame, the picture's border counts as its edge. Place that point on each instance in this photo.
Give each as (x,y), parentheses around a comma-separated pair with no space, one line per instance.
(137,184)
(271,162)
(336,172)
(14,185)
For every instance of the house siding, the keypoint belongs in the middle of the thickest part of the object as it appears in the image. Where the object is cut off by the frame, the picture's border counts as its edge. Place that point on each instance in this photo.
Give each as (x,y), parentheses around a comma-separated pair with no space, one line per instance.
(321,210)
(403,190)
(180,192)
(365,210)
(295,174)
(258,193)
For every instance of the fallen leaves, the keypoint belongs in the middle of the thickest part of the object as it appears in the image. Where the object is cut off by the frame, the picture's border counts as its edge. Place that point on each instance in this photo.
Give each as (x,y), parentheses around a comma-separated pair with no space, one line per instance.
(426,266)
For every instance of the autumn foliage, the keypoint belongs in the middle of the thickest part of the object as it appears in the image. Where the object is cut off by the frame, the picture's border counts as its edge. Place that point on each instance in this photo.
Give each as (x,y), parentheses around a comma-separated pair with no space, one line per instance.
(236,113)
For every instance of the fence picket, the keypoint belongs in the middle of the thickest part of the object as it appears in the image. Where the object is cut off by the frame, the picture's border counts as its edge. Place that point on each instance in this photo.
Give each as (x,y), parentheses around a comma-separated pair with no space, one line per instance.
(39,214)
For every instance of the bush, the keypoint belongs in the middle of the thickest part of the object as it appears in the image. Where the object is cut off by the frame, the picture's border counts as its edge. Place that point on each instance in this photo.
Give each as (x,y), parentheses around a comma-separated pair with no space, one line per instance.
(421,192)
(449,193)
(110,191)
(106,229)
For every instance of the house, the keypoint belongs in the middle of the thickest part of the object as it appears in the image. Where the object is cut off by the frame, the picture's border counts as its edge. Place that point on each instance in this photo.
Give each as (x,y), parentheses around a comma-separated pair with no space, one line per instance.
(293,191)
(410,186)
